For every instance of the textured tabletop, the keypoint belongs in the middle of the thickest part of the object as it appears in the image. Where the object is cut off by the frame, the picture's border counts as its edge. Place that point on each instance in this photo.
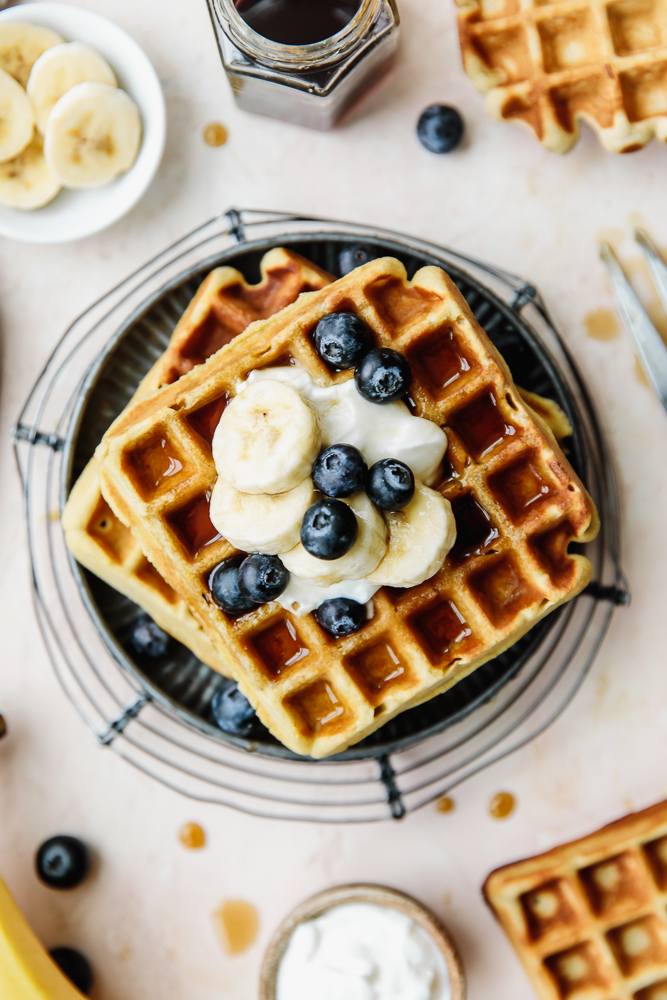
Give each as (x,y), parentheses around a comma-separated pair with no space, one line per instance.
(144,917)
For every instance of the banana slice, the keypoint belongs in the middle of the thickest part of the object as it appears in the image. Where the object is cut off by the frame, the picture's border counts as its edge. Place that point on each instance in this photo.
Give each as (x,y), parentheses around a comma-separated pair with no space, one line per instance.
(267,439)
(363,557)
(27,182)
(17,119)
(59,69)
(420,536)
(260,522)
(94,133)
(21,45)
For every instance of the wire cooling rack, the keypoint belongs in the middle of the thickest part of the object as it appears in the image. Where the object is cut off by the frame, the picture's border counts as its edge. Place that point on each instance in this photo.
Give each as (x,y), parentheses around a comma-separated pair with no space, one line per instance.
(160,724)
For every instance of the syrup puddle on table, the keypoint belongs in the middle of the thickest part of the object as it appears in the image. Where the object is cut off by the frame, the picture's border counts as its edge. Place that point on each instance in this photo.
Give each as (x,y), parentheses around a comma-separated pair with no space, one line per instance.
(601,324)
(236,924)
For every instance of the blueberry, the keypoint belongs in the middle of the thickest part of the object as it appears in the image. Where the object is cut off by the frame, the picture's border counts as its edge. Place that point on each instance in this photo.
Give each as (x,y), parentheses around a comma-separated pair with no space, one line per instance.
(341,339)
(341,616)
(390,484)
(440,129)
(262,578)
(383,376)
(148,639)
(351,257)
(3,727)
(224,585)
(73,965)
(340,471)
(232,711)
(62,862)
(329,529)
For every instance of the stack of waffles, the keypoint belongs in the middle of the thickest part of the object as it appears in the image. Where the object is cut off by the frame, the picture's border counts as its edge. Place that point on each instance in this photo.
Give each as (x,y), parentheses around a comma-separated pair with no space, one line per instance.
(225,304)
(518,505)
(589,919)
(548,65)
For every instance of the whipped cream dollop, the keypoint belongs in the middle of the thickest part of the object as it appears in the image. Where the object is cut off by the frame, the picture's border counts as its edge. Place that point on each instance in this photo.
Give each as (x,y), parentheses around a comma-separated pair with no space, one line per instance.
(362,951)
(387,431)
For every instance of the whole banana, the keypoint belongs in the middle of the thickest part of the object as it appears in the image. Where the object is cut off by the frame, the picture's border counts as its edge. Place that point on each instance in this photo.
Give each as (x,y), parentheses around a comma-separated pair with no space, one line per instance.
(26,970)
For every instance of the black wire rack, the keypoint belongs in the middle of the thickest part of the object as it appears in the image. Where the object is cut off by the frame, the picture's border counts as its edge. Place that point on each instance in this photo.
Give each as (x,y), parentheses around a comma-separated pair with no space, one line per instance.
(157,716)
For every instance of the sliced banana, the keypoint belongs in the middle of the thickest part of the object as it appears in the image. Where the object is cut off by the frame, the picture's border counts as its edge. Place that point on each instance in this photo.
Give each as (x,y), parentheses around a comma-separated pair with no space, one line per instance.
(363,557)
(59,69)
(17,119)
(27,182)
(420,536)
(21,45)
(260,522)
(93,134)
(267,439)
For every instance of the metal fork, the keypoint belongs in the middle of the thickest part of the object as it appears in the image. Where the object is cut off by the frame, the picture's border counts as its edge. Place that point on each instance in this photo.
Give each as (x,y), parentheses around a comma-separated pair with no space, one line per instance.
(648,343)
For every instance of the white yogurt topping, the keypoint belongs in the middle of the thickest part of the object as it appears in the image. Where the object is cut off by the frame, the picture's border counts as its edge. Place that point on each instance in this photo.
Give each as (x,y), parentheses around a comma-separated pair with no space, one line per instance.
(361,951)
(300,597)
(378,431)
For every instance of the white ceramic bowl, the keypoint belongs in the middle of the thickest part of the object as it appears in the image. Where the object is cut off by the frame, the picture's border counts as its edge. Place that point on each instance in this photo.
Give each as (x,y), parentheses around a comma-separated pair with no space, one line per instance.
(75,214)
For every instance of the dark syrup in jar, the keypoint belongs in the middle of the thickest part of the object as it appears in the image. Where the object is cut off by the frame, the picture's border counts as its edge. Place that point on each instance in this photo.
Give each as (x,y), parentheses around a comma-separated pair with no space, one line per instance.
(297,22)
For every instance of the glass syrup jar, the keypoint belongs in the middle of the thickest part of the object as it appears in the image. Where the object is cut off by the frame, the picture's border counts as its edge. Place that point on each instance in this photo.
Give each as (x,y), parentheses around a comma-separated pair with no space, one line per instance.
(308,84)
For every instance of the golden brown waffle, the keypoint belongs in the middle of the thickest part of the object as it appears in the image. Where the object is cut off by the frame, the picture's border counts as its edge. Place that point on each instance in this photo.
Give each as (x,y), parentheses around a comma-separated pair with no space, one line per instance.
(224,305)
(551,65)
(589,919)
(517,501)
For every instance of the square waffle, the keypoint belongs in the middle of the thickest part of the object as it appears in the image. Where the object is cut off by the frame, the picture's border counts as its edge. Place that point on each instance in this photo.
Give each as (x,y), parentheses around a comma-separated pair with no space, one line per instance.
(589,919)
(550,65)
(517,501)
(224,305)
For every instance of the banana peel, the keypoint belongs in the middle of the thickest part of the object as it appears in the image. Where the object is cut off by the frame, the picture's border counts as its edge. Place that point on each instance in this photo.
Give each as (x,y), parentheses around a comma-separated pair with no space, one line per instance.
(27,972)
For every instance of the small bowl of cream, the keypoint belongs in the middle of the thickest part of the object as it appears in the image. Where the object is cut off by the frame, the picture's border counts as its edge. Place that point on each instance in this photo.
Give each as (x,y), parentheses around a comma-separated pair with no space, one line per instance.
(361,942)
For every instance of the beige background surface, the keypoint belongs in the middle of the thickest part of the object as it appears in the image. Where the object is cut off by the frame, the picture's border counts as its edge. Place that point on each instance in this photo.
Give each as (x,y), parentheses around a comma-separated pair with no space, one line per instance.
(144,918)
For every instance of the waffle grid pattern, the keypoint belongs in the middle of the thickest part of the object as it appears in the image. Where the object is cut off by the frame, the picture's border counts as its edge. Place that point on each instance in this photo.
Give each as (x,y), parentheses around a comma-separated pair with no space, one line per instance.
(589,919)
(223,306)
(319,695)
(547,65)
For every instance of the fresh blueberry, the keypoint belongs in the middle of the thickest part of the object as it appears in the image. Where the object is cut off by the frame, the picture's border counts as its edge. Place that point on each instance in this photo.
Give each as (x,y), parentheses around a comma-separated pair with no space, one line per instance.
(340,471)
(148,639)
(262,578)
(73,965)
(3,727)
(224,585)
(355,256)
(329,529)
(62,862)
(383,376)
(232,711)
(341,339)
(341,616)
(440,129)
(390,484)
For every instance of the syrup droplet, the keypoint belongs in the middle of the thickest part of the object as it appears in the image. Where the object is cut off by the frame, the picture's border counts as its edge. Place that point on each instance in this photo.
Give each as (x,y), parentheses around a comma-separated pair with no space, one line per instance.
(192,836)
(641,374)
(236,923)
(601,324)
(502,805)
(215,134)
(445,804)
